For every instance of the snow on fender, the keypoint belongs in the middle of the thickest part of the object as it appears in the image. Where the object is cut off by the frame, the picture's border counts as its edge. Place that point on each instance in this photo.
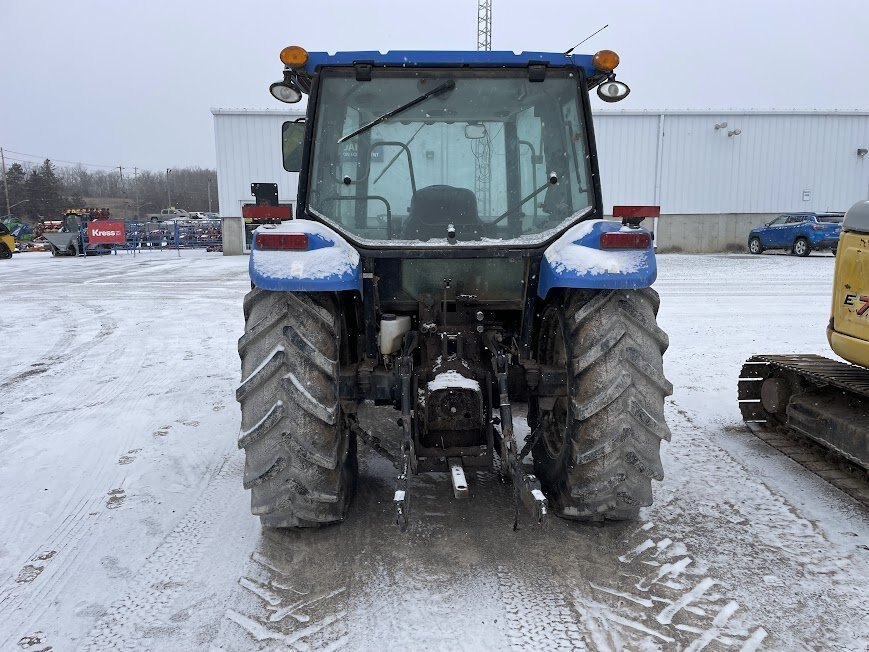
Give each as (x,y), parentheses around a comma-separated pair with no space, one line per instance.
(576,260)
(328,263)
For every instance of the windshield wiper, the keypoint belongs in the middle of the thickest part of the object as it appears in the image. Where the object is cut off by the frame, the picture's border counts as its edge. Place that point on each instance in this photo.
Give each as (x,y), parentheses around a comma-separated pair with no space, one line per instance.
(446,86)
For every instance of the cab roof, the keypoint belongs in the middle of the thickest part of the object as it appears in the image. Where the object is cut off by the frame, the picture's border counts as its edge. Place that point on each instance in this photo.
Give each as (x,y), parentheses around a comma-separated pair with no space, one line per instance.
(449,58)
(857,217)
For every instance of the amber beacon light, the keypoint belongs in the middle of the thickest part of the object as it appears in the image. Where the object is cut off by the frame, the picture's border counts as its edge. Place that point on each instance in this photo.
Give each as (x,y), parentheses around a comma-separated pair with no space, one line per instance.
(288,90)
(293,56)
(605,61)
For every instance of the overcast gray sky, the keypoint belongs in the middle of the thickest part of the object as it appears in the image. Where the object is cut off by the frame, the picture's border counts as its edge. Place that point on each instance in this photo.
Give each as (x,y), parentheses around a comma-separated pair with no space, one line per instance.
(132,82)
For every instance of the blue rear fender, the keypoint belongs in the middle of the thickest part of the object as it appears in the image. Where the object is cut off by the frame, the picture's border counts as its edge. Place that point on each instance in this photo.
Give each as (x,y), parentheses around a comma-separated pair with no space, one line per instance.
(329,264)
(576,260)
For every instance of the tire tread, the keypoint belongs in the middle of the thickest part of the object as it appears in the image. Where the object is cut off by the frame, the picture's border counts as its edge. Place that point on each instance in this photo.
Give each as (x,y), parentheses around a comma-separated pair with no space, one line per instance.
(300,459)
(614,351)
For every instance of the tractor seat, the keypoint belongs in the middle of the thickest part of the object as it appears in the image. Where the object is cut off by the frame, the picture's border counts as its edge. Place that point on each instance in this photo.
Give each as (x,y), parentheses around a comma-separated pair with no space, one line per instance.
(434,208)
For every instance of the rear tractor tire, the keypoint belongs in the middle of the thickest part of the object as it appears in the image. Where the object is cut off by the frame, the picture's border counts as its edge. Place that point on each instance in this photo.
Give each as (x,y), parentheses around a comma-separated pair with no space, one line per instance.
(5,253)
(599,447)
(300,458)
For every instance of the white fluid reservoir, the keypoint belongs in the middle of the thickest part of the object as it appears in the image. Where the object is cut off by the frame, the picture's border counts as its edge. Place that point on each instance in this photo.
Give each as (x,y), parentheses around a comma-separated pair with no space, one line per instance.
(392,330)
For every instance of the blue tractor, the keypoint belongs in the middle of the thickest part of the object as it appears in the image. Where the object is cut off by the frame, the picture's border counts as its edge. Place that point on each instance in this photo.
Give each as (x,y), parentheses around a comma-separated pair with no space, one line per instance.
(449,258)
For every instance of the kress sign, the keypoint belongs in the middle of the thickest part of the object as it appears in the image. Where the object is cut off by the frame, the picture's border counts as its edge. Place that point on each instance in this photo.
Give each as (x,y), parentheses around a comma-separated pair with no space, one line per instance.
(106,232)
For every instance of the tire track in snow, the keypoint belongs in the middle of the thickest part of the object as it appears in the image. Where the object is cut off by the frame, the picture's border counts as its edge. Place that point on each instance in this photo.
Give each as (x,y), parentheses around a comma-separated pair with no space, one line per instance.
(53,557)
(659,601)
(43,574)
(68,334)
(80,360)
(72,321)
(780,553)
(48,565)
(131,621)
(55,561)
(289,612)
(81,506)
(538,615)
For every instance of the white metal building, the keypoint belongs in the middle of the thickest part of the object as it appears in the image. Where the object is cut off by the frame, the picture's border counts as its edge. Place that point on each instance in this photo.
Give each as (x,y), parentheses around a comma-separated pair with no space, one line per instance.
(248,145)
(694,162)
(714,174)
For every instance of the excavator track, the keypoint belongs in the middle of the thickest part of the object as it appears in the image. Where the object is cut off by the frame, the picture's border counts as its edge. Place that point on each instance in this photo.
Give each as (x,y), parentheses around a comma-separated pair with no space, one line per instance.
(815,411)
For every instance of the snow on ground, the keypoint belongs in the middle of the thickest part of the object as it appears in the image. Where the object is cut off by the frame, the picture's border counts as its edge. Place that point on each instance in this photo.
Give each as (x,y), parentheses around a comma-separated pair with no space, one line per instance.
(125,523)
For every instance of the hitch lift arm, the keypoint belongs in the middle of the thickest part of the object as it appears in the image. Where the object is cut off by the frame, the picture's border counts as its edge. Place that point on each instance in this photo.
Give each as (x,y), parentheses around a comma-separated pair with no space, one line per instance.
(526,486)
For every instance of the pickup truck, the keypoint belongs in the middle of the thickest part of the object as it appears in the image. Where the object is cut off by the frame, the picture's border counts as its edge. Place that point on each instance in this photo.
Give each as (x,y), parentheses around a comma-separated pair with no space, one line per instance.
(168,214)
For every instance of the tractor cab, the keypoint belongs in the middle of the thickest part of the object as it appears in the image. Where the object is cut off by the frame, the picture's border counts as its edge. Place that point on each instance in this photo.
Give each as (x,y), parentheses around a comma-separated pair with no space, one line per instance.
(453,150)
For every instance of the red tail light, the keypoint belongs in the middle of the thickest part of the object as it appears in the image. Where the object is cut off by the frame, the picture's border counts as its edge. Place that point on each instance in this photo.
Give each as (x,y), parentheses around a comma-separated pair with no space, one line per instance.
(264,212)
(283,241)
(625,240)
(636,211)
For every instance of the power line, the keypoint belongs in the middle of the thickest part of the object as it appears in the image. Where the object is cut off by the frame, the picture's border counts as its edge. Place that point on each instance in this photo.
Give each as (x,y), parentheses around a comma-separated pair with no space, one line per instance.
(53,160)
(56,160)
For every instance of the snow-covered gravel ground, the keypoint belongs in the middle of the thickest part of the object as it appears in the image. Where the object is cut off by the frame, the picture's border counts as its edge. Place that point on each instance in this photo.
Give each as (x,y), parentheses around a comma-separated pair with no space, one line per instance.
(123,523)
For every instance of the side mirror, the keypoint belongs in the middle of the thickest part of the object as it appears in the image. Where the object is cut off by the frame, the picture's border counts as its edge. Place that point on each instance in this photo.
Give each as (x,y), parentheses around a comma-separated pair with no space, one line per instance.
(475,131)
(613,91)
(293,139)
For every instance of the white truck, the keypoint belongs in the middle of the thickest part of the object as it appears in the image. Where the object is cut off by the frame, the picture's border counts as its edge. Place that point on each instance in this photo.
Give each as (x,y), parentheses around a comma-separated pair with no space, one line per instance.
(169,214)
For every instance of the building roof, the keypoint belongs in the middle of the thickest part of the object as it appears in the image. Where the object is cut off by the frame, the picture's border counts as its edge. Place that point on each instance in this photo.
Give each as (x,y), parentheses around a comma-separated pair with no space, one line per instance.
(284,112)
(747,112)
(629,112)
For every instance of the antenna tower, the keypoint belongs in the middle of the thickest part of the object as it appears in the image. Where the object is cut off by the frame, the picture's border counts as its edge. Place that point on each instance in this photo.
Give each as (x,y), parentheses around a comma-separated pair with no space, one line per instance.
(484,25)
(482,148)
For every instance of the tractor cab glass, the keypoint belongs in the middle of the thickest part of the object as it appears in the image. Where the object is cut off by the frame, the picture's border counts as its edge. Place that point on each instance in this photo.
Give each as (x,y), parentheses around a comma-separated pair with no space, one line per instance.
(439,157)
(71,222)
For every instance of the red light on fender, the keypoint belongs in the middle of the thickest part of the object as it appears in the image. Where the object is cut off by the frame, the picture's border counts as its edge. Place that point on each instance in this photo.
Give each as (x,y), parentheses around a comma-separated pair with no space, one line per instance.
(282,241)
(636,211)
(625,240)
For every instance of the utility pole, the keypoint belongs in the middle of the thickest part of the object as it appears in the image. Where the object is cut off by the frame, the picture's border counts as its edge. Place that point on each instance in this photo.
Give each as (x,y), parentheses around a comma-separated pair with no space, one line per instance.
(136,190)
(209,194)
(5,181)
(484,25)
(168,188)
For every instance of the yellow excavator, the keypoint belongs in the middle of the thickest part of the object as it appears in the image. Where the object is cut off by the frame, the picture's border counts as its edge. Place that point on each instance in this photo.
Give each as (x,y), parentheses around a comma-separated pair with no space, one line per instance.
(7,242)
(824,400)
